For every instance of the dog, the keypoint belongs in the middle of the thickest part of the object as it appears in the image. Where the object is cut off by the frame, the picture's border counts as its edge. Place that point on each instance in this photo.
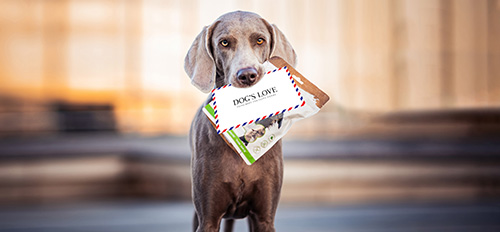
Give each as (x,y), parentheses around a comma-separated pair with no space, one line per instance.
(232,50)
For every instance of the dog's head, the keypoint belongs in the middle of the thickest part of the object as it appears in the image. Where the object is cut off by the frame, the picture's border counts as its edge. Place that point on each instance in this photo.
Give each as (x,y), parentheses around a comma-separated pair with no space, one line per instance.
(232,50)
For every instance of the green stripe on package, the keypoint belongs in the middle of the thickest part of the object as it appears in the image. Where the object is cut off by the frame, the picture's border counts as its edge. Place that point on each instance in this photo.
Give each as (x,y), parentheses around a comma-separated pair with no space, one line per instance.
(210,110)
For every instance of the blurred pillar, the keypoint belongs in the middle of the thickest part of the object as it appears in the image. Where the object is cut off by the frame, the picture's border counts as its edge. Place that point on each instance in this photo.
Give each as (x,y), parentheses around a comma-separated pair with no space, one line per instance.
(422,54)
(133,48)
(55,34)
(493,52)
(133,99)
(398,33)
(447,54)
(367,65)
(470,42)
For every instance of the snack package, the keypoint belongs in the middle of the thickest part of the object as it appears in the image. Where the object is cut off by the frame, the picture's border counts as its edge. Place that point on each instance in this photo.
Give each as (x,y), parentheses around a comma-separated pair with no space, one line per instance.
(251,135)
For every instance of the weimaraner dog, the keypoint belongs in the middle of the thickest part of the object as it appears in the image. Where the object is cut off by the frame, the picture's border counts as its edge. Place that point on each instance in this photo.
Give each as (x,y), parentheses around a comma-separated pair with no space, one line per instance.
(231,51)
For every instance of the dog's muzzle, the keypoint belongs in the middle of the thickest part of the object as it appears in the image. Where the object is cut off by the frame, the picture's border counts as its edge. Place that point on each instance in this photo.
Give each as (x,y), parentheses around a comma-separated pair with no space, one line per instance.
(247,76)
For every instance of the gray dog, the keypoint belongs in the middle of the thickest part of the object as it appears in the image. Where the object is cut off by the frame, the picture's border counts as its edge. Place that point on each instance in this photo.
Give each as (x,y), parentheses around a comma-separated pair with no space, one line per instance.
(231,51)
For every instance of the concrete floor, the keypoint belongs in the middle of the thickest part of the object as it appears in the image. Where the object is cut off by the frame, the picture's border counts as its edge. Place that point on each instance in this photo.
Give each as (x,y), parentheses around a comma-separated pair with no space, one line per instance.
(163,216)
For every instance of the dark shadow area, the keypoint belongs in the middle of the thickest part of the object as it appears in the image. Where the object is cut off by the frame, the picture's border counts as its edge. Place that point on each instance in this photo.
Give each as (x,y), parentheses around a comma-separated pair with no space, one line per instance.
(84,117)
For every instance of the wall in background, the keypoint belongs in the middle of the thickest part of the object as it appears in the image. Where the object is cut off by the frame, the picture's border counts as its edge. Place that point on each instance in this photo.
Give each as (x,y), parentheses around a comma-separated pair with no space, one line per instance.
(369,56)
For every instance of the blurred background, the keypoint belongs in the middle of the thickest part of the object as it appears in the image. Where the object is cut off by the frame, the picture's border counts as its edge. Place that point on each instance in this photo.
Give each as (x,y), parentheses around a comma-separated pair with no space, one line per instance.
(95,108)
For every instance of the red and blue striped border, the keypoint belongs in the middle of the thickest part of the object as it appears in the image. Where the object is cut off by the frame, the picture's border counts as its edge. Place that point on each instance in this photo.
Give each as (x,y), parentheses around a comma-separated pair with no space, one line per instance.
(260,118)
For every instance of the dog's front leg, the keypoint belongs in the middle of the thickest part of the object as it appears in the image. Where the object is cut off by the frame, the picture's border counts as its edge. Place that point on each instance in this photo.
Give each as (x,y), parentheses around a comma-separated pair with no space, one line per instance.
(210,207)
(266,191)
(261,222)
(210,195)
(261,217)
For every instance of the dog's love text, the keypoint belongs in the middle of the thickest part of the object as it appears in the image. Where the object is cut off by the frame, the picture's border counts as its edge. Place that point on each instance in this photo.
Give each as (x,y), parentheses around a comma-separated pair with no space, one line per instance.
(255,96)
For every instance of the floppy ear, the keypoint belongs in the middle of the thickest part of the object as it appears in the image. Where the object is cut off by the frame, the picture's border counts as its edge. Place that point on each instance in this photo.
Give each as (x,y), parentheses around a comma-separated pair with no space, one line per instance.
(280,45)
(199,63)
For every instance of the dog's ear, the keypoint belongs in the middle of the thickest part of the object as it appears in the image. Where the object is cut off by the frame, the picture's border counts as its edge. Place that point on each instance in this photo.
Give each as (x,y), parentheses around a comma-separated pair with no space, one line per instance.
(280,45)
(199,63)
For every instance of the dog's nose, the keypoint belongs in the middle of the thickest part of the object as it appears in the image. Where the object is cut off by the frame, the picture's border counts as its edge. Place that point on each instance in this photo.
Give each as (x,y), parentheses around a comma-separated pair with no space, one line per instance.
(247,75)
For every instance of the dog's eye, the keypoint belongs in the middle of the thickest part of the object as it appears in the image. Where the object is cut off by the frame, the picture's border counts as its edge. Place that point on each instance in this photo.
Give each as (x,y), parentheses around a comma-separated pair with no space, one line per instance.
(224,43)
(260,41)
